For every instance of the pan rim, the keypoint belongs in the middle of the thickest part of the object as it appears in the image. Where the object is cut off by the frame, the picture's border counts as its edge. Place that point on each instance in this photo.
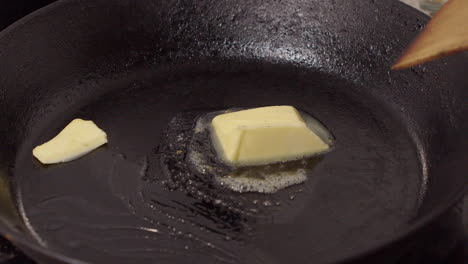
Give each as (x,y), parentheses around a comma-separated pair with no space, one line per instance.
(22,241)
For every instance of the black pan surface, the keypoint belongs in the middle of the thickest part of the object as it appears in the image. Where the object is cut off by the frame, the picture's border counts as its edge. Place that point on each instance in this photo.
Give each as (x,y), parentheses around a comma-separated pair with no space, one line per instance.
(145,70)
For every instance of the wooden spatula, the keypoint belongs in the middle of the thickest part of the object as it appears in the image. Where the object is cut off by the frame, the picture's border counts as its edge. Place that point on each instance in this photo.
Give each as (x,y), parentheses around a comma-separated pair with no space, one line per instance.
(445,34)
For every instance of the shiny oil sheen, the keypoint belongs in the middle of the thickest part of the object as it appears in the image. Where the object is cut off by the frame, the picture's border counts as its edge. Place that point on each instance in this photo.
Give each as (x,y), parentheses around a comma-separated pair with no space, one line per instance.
(138,197)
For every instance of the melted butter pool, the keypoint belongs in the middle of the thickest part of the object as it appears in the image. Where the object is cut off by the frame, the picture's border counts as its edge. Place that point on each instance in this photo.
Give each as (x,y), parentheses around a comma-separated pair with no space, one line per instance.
(262,179)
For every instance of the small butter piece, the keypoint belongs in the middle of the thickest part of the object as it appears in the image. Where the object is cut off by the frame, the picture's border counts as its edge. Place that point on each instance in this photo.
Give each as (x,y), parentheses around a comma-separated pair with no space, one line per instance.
(264,135)
(75,140)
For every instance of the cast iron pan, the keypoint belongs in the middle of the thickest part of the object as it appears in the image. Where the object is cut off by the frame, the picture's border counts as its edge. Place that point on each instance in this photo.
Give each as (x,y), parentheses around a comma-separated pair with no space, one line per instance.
(144,70)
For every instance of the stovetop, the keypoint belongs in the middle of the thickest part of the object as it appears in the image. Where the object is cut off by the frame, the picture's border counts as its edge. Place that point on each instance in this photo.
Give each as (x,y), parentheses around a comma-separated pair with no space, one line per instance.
(449,238)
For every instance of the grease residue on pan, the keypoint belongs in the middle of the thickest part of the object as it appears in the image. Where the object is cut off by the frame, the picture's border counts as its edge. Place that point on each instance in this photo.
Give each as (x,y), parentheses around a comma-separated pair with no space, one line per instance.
(138,199)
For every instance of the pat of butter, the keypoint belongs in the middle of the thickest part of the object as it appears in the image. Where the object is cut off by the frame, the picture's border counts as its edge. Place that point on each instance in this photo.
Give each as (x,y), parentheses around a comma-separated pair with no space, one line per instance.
(75,140)
(264,135)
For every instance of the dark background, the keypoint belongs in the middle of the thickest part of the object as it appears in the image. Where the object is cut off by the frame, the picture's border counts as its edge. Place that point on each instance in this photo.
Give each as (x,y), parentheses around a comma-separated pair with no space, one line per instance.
(446,244)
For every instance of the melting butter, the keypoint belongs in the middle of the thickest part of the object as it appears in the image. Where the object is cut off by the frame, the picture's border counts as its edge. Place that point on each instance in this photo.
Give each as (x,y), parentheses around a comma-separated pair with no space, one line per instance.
(264,135)
(269,178)
(75,140)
